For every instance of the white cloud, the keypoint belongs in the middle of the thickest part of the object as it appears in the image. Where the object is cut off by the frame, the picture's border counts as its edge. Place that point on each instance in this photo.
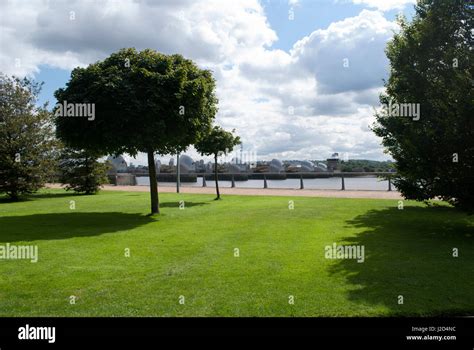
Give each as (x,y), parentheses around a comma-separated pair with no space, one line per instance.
(348,55)
(385,5)
(210,32)
(256,84)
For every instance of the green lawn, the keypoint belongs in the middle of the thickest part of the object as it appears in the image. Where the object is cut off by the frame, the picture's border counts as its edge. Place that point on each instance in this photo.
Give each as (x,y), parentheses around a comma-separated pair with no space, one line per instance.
(190,252)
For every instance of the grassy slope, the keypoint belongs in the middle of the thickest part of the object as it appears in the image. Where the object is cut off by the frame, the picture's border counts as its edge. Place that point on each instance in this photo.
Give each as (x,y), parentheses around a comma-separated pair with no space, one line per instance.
(190,252)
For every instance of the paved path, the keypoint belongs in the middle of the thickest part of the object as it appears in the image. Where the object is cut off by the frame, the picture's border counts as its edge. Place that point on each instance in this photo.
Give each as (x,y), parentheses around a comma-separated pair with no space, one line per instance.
(259,192)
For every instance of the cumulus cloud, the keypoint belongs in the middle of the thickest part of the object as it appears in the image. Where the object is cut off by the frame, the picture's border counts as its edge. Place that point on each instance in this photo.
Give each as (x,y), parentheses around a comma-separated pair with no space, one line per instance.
(210,32)
(348,55)
(385,5)
(304,103)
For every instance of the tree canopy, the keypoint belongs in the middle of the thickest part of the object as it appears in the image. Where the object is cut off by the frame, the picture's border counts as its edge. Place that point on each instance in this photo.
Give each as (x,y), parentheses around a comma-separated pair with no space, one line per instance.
(432,65)
(27,147)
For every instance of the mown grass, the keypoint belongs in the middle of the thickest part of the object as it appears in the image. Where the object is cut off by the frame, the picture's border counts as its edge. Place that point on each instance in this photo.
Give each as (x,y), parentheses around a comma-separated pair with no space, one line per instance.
(190,253)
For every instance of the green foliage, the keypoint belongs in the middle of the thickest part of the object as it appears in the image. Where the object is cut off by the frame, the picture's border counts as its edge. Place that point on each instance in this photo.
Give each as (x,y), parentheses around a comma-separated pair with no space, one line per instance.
(217,141)
(432,64)
(27,147)
(143,101)
(81,172)
(360,165)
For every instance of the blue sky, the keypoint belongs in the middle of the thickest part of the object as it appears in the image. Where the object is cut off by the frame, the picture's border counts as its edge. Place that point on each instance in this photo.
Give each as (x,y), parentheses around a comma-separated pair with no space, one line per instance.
(265,64)
(52,78)
(312,15)
(309,16)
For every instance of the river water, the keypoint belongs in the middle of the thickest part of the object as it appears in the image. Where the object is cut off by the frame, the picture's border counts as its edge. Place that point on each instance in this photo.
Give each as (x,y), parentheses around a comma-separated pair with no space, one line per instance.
(331,183)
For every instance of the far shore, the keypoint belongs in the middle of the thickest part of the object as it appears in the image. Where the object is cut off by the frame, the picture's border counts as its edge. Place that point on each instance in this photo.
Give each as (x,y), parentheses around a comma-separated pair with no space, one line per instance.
(259,192)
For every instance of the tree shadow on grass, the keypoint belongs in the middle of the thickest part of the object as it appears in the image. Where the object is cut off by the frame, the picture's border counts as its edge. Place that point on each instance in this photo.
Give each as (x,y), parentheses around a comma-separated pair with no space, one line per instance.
(409,253)
(67,225)
(36,196)
(176,204)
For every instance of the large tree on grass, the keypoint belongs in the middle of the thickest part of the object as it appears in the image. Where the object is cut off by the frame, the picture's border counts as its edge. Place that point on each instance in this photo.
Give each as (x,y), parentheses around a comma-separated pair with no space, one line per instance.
(144,102)
(432,64)
(27,144)
(217,142)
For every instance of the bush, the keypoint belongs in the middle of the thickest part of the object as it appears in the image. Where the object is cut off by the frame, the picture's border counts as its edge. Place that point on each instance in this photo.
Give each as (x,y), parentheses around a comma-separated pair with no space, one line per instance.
(81,172)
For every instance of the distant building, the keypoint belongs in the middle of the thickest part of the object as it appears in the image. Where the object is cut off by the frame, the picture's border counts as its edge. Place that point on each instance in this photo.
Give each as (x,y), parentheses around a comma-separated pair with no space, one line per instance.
(320,167)
(276,166)
(200,166)
(294,166)
(306,166)
(186,164)
(233,168)
(333,163)
(157,166)
(119,165)
(209,167)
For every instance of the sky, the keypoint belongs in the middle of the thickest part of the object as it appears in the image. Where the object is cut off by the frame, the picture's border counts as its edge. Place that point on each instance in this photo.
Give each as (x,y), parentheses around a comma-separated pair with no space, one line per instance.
(296,79)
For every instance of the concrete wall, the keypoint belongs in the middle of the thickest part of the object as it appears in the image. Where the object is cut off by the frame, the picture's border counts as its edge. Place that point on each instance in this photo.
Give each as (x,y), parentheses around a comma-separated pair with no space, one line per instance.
(124,179)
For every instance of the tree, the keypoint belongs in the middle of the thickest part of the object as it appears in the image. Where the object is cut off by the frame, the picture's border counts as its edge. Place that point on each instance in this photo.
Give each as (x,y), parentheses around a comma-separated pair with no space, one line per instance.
(432,65)
(143,102)
(81,171)
(27,147)
(217,142)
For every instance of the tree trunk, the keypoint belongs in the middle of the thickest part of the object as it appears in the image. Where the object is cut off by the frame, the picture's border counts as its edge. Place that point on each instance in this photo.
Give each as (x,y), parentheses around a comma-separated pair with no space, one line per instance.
(215,176)
(155,209)
(178,174)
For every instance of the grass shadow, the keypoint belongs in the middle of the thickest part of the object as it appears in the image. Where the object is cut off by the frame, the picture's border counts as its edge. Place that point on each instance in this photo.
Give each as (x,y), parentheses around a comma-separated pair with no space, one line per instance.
(409,253)
(67,225)
(35,196)
(187,204)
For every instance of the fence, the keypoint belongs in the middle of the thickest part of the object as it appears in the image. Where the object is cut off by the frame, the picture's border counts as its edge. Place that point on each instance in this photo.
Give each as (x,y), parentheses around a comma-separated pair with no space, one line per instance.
(265,177)
(283,176)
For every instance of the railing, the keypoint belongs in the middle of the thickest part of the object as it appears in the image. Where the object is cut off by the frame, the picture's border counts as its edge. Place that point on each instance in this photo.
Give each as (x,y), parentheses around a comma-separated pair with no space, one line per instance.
(233,177)
(301,176)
